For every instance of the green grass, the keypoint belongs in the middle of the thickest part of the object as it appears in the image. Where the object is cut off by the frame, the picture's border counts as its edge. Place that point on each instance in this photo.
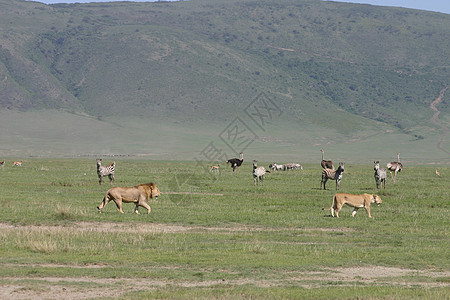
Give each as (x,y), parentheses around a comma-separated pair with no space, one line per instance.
(228,239)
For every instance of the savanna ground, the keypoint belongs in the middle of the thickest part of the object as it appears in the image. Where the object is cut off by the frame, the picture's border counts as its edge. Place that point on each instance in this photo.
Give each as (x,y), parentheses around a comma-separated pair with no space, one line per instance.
(219,236)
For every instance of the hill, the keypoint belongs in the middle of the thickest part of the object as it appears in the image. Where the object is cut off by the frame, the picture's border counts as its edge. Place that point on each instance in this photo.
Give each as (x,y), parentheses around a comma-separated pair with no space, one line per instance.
(170,77)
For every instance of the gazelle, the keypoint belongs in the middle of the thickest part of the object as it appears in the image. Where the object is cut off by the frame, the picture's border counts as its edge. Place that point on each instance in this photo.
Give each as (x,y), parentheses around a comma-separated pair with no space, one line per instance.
(215,168)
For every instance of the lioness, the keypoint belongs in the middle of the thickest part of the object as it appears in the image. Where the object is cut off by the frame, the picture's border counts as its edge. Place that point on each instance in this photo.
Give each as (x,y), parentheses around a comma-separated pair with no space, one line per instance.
(355,201)
(138,195)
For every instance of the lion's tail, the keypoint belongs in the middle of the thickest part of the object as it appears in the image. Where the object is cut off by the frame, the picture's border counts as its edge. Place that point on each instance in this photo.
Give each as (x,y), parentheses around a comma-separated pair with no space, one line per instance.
(332,204)
(103,201)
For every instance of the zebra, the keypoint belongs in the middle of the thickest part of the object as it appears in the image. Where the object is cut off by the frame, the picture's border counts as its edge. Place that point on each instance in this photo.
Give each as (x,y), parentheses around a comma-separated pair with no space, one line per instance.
(293,166)
(259,173)
(276,167)
(106,171)
(285,167)
(333,175)
(380,175)
(395,166)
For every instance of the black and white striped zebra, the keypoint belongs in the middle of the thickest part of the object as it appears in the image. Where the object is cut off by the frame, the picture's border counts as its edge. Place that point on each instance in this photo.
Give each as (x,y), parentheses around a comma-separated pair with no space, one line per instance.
(105,171)
(293,166)
(333,175)
(380,175)
(259,173)
(276,167)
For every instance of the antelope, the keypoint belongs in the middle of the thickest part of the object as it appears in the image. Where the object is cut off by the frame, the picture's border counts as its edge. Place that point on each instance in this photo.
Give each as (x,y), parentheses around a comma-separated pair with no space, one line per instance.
(214,168)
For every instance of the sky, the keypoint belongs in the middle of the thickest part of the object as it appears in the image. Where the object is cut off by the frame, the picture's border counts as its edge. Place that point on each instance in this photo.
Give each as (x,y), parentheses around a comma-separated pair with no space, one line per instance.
(442,6)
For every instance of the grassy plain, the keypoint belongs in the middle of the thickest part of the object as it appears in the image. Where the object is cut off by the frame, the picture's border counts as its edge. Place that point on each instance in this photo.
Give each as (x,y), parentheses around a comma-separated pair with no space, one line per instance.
(218,235)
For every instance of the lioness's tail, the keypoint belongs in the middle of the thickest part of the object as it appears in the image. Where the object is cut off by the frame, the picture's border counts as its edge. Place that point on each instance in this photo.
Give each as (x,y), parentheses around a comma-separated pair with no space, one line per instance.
(104,201)
(332,204)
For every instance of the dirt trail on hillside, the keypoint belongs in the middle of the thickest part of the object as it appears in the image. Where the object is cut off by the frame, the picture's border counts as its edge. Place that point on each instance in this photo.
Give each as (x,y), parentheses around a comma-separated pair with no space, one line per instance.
(434,119)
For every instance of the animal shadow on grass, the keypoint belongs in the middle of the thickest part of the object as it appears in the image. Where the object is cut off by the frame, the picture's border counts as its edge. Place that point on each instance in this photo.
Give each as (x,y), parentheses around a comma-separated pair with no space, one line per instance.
(327,216)
(367,189)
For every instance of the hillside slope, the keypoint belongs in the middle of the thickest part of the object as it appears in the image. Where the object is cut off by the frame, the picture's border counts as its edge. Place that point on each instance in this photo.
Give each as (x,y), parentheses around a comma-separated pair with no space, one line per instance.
(341,70)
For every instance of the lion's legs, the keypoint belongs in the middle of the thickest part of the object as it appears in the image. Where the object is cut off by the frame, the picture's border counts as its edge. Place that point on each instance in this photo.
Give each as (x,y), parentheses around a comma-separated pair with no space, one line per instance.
(368,211)
(143,204)
(119,204)
(103,204)
(333,206)
(337,213)
(355,210)
(338,209)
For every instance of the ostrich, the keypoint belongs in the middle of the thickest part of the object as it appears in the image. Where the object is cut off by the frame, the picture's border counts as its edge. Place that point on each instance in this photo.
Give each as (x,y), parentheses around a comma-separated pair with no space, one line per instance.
(395,166)
(259,173)
(236,162)
(326,164)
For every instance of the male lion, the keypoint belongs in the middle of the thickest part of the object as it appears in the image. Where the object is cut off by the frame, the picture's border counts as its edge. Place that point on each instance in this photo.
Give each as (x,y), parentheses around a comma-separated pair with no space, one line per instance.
(355,201)
(138,195)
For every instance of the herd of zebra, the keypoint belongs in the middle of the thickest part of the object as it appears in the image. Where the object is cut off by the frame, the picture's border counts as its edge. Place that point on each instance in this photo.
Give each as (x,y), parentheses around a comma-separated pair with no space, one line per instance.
(259,172)
(379,175)
(328,170)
